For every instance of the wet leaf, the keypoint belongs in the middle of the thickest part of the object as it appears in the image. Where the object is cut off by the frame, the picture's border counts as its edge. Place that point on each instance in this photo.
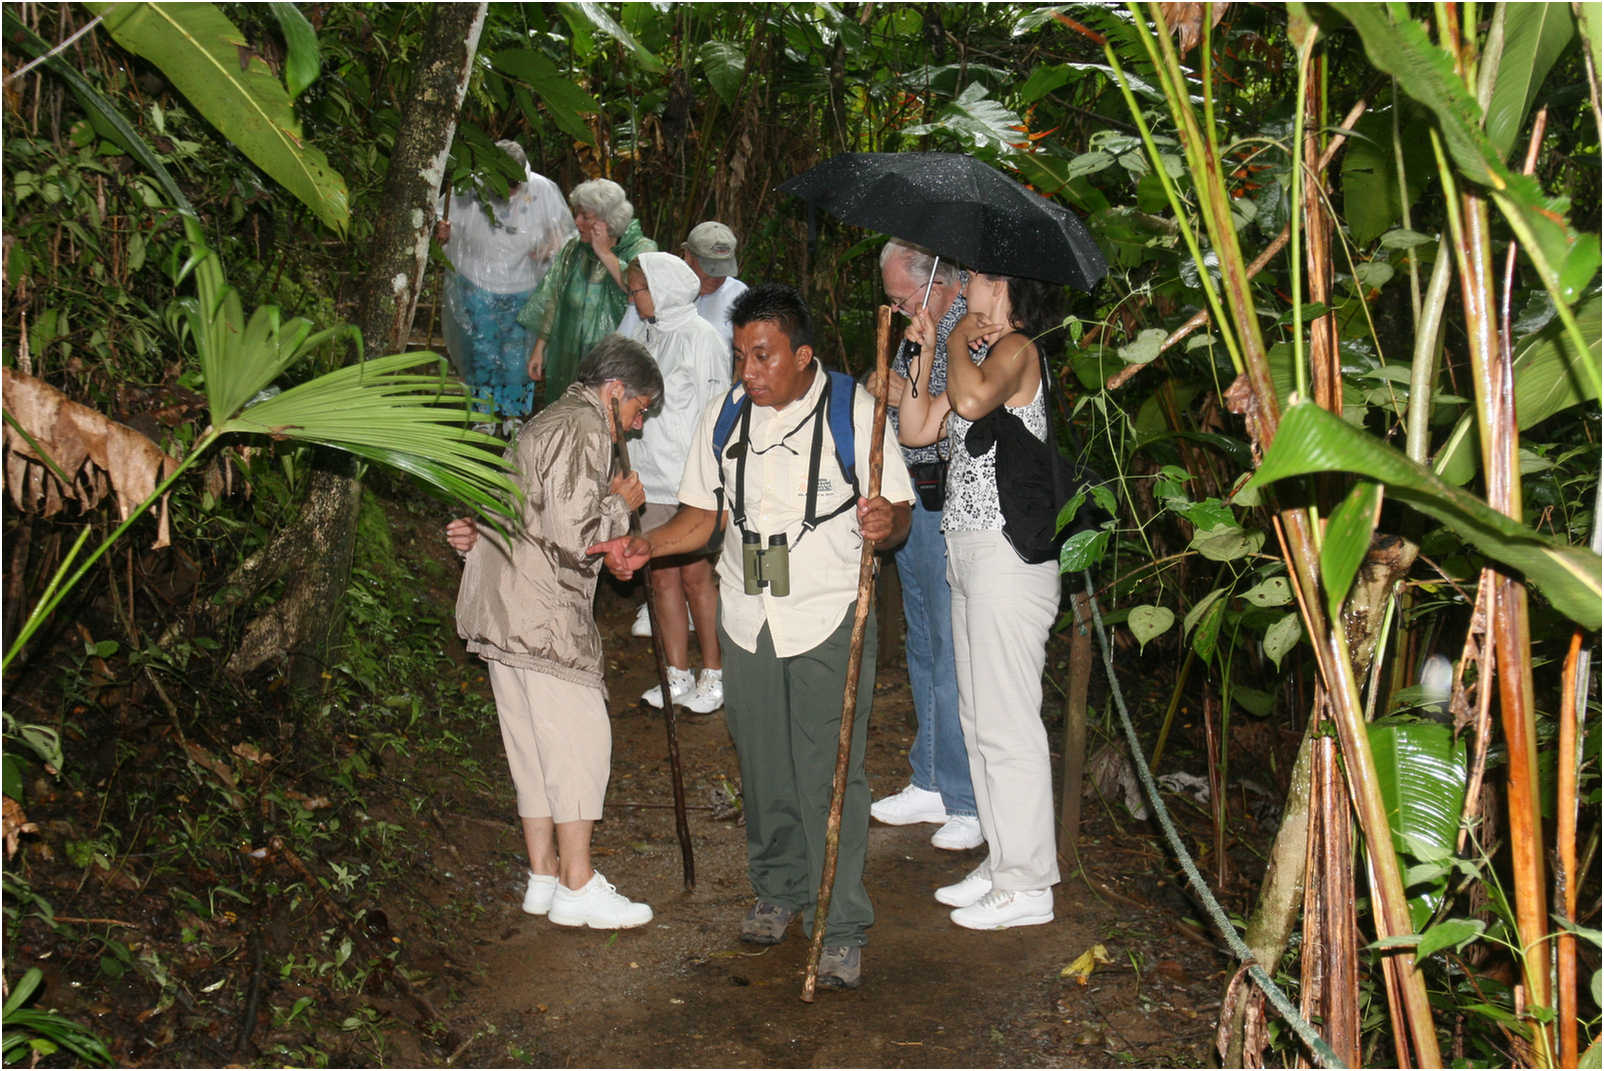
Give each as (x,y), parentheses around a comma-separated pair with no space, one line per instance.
(1083,965)
(1149,622)
(1281,637)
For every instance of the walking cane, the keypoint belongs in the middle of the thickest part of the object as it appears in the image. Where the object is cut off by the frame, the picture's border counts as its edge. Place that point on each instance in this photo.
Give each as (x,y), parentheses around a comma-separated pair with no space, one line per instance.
(849,698)
(681,826)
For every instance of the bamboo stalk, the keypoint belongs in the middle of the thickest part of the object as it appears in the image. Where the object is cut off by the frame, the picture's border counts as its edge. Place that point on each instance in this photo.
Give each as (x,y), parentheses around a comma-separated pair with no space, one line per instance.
(849,691)
(1566,876)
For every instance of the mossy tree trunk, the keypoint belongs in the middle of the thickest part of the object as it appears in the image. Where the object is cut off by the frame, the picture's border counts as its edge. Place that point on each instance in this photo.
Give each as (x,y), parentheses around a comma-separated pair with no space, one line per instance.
(314,554)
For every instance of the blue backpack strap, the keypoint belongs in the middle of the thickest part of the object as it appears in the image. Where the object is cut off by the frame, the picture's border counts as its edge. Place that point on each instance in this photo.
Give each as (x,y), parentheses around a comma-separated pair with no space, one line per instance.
(843,389)
(723,428)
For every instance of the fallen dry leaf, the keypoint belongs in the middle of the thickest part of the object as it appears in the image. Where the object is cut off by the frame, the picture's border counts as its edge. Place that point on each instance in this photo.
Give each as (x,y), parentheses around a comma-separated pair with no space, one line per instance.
(15,824)
(94,452)
(1083,965)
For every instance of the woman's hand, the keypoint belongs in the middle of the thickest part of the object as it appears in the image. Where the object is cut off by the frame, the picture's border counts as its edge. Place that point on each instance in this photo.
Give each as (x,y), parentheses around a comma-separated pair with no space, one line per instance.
(627,486)
(537,361)
(600,238)
(462,534)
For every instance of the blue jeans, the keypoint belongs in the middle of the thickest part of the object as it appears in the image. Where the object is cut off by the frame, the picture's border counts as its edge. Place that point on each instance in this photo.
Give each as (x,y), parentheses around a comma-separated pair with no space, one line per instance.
(938,758)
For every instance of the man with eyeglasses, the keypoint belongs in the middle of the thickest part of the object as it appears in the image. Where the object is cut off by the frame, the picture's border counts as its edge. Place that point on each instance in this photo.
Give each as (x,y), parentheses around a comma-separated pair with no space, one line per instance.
(939,790)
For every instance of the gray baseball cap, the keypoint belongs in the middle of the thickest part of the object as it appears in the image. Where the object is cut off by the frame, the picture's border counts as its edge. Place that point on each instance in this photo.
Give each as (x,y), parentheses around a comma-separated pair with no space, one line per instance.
(714,246)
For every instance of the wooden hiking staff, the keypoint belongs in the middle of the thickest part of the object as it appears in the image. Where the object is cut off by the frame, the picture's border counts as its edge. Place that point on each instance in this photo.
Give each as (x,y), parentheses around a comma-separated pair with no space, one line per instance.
(849,696)
(670,720)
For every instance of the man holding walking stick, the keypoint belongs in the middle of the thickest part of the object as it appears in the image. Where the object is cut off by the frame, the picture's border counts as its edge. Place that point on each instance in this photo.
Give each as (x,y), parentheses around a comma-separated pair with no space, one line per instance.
(783,456)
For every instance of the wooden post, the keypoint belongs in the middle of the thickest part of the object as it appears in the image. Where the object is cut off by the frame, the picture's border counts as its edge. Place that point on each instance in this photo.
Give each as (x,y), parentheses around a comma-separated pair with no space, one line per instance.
(1080,673)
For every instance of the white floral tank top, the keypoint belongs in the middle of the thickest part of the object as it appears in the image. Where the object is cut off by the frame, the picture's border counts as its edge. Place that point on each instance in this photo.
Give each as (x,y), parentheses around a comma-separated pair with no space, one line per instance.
(972,503)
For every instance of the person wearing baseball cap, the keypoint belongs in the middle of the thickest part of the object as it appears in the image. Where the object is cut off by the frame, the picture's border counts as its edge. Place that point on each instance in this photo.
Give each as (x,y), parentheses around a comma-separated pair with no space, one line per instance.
(710,251)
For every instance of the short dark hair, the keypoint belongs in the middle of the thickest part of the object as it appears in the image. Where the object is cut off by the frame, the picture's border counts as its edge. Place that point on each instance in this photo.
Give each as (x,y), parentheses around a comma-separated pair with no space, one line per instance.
(781,306)
(623,359)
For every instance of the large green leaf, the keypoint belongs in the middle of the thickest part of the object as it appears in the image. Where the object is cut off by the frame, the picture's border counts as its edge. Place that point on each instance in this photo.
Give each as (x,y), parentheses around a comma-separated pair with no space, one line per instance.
(724,63)
(1534,37)
(302,63)
(1312,440)
(592,14)
(1546,382)
(566,102)
(1370,196)
(1347,540)
(1399,46)
(200,51)
(1420,769)
(387,411)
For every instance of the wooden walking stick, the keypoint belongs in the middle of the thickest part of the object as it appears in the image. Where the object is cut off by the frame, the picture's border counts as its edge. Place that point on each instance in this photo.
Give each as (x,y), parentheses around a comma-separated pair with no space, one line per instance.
(849,697)
(670,720)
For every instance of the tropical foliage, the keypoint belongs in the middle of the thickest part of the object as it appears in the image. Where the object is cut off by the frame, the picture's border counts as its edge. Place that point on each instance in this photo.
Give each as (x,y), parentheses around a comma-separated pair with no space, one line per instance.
(1343,377)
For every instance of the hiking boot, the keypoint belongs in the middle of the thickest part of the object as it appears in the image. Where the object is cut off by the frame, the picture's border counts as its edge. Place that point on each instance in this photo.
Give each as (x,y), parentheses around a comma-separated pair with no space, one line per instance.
(681,683)
(841,966)
(597,905)
(709,694)
(976,884)
(911,805)
(1002,908)
(538,894)
(961,833)
(765,923)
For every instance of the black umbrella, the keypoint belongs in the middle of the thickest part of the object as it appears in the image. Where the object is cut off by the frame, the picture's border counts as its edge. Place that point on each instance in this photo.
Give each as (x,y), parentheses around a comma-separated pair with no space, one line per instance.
(956,206)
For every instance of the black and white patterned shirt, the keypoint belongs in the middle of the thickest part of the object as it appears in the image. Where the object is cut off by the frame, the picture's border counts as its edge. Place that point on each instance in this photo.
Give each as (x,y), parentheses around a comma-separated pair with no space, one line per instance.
(920,455)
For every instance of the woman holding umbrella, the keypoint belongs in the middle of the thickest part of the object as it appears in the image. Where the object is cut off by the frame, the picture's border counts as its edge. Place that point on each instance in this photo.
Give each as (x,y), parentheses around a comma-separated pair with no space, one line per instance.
(1002,607)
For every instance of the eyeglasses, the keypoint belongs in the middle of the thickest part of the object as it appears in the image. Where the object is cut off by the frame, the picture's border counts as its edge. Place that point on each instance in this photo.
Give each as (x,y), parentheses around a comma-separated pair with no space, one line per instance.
(640,290)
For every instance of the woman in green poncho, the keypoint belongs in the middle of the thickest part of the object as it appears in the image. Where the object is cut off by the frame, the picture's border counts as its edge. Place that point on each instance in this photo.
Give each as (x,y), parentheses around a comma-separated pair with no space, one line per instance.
(583,296)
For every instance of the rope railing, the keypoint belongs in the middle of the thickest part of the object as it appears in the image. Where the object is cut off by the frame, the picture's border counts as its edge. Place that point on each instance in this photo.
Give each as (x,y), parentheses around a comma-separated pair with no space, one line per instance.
(1278,999)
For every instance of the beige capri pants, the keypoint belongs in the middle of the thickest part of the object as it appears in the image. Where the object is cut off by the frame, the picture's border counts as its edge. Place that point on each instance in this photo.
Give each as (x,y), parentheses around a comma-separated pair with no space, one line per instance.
(558,739)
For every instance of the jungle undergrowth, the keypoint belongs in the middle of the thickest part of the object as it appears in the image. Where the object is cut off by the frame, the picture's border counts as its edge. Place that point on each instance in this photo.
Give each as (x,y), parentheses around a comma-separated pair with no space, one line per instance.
(266,879)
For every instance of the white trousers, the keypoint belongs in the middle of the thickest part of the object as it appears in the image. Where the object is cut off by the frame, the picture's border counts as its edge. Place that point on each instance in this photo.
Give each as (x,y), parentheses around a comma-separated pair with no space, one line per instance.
(1002,612)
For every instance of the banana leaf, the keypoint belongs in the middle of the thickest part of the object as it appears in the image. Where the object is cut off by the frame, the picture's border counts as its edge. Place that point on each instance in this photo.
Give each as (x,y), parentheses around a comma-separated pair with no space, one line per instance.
(1420,769)
(1312,440)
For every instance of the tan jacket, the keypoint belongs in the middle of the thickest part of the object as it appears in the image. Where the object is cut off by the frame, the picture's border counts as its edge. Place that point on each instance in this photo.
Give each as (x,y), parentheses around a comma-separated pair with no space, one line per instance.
(530,606)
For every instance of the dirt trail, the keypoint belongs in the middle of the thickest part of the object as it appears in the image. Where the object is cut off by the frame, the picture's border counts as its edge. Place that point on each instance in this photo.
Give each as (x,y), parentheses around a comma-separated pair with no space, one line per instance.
(683,991)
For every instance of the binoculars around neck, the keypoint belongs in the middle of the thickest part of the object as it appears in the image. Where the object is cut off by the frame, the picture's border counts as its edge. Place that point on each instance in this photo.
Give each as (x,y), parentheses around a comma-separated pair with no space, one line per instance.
(766,567)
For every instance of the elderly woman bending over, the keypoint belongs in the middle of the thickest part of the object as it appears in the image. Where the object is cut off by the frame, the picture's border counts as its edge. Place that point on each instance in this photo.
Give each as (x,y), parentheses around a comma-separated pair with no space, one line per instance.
(583,296)
(525,608)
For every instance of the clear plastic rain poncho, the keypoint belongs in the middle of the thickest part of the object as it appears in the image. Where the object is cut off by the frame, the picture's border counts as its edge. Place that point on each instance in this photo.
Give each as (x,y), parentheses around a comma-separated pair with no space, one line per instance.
(500,250)
(695,365)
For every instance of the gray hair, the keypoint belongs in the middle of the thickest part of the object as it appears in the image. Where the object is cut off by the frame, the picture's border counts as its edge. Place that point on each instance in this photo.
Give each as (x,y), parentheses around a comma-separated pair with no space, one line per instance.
(918,260)
(516,151)
(604,199)
(623,359)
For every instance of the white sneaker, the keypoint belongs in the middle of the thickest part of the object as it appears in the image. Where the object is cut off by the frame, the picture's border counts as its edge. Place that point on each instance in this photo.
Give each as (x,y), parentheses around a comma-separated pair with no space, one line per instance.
(1002,908)
(975,885)
(709,694)
(598,905)
(643,622)
(961,833)
(681,683)
(911,805)
(537,896)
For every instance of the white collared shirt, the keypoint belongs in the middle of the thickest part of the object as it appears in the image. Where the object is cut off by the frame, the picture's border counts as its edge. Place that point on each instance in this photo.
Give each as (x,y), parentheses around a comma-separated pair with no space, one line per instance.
(824,562)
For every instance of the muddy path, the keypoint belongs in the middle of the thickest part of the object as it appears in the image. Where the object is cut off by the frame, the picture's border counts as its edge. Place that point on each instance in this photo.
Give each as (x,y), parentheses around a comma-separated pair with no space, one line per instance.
(683,991)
